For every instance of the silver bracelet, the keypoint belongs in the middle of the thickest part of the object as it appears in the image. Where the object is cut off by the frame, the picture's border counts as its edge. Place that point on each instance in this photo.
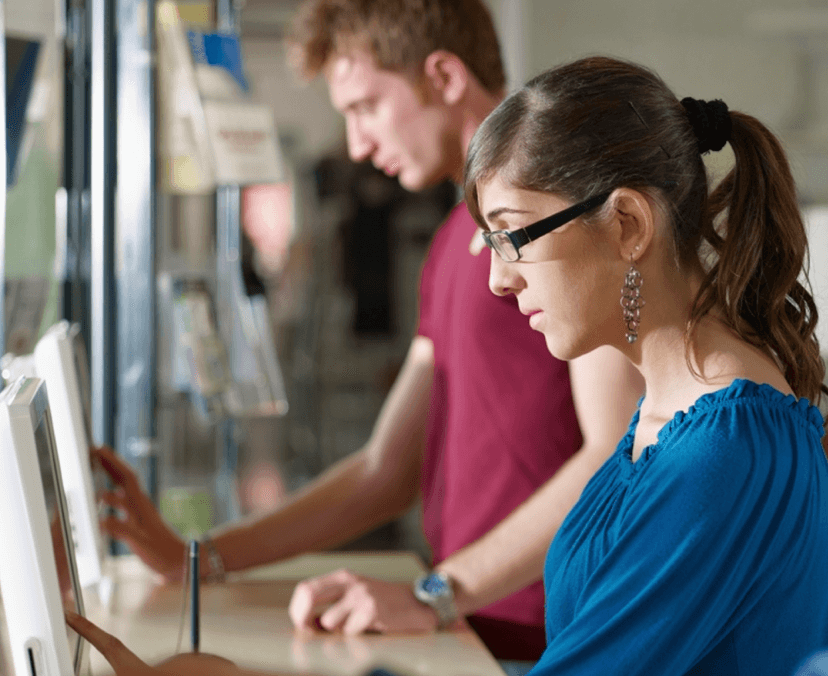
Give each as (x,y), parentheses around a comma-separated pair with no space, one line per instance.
(216,565)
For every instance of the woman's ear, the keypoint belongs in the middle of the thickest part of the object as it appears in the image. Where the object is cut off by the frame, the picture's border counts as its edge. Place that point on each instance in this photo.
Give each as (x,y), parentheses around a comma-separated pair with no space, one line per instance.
(447,75)
(633,222)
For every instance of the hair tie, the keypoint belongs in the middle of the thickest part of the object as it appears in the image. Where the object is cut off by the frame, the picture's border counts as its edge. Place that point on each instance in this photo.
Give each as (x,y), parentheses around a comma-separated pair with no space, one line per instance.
(710,121)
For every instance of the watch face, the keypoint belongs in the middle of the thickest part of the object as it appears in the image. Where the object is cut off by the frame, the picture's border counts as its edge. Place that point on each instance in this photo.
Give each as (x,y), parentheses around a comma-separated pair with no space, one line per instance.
(435,585)
(435,590)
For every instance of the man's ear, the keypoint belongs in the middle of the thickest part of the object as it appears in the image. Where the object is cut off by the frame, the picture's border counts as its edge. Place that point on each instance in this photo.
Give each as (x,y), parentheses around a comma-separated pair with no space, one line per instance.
(633,225)
(447,75)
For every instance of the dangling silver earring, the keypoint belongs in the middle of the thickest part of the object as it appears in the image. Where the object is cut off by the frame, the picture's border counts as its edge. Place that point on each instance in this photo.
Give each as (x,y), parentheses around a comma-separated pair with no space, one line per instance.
(631,301)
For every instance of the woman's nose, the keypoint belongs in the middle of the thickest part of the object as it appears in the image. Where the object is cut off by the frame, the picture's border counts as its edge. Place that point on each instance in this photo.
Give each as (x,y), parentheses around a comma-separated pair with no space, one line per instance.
(503,279)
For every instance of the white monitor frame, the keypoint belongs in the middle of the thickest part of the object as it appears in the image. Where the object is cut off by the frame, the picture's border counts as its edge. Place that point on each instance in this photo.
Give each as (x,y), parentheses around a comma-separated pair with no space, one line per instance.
(56,360)
(39,639)
(16,365)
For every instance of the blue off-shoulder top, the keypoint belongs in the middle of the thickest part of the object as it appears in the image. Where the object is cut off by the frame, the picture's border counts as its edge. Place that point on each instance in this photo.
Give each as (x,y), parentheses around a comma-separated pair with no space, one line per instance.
(707,555)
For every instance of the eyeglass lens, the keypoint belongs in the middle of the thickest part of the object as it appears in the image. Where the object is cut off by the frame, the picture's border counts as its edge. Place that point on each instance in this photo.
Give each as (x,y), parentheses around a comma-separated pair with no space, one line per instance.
(503,246)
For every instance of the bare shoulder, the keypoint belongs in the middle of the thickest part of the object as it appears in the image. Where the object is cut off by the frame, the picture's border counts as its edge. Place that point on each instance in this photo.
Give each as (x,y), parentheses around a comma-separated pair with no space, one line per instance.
(753,365)
(732,359)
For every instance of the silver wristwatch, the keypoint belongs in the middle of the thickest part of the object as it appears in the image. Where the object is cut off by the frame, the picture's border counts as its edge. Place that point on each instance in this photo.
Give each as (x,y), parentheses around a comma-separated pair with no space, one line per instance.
(435,590)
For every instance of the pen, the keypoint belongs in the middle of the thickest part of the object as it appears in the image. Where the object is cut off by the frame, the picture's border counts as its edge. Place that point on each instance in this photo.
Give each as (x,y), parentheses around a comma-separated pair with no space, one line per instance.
(194,592)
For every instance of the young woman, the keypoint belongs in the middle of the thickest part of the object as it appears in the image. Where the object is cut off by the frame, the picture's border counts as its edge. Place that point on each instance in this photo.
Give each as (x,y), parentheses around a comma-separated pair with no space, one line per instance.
(700,546)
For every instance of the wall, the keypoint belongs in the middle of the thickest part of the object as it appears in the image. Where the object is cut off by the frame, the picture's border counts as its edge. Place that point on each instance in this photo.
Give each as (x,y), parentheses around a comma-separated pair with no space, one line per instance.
(818,232)
(705,49)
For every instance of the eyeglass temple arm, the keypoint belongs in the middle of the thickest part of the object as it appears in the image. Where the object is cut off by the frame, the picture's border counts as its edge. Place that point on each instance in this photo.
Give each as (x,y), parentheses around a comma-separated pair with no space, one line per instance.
(532,232)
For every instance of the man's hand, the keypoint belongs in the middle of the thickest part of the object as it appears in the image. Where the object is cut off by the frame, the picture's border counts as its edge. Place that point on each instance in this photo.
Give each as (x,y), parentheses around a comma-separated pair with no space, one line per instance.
(343,601)
(120,658)
(126,663)
(138,523)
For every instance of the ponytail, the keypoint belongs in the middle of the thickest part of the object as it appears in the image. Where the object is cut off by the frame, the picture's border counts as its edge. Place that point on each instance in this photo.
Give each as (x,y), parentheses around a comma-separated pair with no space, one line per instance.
(755,229)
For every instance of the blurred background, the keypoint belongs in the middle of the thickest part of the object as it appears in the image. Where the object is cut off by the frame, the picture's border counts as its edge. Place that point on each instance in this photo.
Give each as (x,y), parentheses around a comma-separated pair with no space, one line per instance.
(175,192)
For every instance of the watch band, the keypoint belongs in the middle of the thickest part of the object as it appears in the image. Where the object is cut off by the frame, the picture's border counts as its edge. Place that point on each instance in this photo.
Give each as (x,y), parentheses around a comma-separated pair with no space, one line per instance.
(216,564)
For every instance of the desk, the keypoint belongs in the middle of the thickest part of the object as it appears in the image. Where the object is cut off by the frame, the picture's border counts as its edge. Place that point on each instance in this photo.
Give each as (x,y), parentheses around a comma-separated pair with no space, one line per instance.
(245,620)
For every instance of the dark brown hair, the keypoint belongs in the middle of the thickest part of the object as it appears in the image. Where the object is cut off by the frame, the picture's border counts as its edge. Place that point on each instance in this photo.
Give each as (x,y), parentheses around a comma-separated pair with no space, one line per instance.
(598,124)
(400,34)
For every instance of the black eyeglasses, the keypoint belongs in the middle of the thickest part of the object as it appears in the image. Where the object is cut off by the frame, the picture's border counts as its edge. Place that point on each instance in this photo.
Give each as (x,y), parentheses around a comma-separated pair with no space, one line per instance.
(507,243)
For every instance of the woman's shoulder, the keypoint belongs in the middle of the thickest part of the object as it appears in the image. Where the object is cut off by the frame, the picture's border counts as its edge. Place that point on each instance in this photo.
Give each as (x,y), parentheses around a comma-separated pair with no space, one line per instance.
(747,402)
(741,424)
(745,445)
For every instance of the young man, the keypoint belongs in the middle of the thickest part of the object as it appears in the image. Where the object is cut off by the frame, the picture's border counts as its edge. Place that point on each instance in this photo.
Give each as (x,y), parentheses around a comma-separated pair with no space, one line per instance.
(496,436)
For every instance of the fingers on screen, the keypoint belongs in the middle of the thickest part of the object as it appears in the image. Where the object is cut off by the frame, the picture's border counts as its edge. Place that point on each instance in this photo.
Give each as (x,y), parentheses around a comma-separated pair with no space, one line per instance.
(116,653)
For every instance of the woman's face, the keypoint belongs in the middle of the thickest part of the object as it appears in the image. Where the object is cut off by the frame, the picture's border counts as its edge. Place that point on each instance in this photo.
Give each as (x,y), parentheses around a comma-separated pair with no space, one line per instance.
(568,282)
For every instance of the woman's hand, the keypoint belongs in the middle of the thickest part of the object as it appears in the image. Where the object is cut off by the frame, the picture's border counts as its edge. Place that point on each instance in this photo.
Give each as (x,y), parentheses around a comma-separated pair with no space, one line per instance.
(353,604)
(138,523)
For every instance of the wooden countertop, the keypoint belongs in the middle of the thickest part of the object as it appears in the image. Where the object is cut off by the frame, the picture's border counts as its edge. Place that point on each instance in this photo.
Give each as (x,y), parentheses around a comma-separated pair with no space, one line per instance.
(245,620)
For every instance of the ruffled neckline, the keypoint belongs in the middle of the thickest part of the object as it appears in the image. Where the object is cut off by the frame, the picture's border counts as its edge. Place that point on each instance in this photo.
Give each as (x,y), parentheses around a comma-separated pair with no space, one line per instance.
(740,388)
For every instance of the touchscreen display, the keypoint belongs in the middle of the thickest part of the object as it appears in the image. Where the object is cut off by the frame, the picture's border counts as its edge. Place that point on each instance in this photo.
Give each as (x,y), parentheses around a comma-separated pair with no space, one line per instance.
(59,525)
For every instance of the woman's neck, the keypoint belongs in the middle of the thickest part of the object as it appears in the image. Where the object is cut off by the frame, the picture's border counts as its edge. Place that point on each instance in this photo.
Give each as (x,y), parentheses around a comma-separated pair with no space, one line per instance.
(678,372)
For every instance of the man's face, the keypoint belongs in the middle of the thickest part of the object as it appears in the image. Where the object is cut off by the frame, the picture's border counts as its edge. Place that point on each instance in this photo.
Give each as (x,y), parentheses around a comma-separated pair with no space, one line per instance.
(404,130)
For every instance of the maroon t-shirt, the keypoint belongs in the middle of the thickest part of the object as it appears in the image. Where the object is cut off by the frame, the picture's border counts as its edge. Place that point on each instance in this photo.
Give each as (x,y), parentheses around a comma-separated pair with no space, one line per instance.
(501,420)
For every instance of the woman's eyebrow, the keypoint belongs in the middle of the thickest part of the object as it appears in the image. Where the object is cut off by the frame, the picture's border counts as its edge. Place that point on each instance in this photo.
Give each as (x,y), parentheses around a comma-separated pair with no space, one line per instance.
(496,213)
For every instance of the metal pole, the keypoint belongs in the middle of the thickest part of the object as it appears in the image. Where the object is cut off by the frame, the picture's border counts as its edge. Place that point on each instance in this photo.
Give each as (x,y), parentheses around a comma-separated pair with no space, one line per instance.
(102,191)
(228,14)
(135,246)
(228,262)
(77,236)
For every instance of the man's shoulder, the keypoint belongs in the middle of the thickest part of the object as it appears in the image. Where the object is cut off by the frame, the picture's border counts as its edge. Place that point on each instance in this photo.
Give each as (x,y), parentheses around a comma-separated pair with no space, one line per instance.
(461,210)
(459,215)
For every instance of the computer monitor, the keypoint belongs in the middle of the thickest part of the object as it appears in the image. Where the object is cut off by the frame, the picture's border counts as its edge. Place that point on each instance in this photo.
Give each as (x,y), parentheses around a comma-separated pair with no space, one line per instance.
(60,360)
(38,574)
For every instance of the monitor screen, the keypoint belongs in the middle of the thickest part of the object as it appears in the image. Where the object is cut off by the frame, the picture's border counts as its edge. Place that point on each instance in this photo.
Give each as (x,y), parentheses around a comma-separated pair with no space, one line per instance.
(63,538)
